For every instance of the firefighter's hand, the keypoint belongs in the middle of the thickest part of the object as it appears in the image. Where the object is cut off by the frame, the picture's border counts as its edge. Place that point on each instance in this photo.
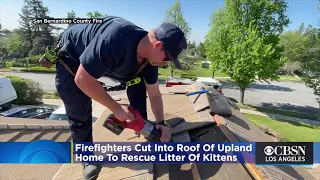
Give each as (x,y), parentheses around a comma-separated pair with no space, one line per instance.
(123,113)
(45,63)
(165,133)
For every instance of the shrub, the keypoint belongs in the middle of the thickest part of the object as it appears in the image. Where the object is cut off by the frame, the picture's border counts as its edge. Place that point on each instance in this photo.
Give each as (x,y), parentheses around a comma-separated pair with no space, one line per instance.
(24,62)
(188,76)
(9,64)
(33,59)
(28,91)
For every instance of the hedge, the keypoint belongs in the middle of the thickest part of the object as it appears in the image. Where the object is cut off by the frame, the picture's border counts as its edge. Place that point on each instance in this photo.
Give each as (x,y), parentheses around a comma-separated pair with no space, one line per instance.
(22,62)
(28,91)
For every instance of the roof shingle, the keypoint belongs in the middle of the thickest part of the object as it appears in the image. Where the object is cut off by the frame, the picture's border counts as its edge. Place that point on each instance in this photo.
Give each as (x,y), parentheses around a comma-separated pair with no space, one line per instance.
(27,130)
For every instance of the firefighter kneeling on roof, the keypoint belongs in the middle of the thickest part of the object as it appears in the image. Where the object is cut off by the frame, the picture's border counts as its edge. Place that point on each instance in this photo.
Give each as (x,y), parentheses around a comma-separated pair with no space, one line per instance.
(116,49)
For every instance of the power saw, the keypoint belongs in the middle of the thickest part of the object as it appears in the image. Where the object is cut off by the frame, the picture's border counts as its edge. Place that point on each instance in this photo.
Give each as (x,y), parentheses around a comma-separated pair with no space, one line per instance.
(138,124)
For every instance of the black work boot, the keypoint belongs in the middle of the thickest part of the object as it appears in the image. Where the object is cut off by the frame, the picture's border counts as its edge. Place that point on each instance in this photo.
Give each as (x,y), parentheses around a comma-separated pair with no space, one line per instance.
(91,171)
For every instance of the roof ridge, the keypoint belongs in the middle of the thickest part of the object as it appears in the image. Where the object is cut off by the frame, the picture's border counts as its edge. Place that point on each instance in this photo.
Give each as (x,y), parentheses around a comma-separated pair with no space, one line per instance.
(16,126)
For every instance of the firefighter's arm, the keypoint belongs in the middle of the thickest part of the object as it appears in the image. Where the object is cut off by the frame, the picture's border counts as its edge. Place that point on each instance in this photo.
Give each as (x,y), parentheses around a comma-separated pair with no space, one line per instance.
(157,109)
(155,101)
(92,88)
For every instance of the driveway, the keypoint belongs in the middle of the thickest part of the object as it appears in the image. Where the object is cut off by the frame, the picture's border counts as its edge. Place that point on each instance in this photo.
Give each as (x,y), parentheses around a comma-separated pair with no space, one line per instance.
(287,95)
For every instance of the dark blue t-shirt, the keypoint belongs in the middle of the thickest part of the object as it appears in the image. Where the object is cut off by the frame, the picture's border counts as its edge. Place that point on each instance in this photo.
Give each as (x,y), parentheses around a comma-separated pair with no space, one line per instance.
(108,49)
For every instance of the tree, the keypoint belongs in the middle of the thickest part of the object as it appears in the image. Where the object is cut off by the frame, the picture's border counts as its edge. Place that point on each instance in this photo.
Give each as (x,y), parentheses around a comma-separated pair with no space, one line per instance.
(295,48)
(311,67)
(311,62)
(244,40)
(15,45)
(95,14)
(292,67)
(38,35)
(217,39)
(201,50)
(71,15)
(174,15)
(3,48)
(294,43)
(191,49)
(25,25)
(3,32)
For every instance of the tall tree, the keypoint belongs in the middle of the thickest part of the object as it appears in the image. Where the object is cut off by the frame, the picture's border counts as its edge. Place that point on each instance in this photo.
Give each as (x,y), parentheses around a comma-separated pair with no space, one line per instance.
(174,15)
(26,24)
(95,14)
(15,45)
(311,62)
(38,35)
(218,39)
(191,49)
(201,50)
(3,48)
(71,15)
(244,40)
(294,43)
(295,48)
(3,32)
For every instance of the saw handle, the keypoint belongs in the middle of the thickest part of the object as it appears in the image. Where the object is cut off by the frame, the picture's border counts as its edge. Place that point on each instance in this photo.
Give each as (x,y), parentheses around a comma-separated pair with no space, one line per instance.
(136,124)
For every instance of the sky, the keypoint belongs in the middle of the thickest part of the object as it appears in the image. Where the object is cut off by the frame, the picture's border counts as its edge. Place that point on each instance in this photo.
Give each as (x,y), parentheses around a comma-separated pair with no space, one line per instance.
(148,14)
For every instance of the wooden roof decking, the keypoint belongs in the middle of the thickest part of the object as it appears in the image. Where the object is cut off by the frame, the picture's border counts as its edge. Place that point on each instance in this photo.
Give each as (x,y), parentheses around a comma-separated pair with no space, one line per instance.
(27,130)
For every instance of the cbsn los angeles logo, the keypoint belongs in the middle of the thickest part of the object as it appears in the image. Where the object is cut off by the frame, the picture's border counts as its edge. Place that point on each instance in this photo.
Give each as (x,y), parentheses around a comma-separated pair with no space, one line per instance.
(284,153)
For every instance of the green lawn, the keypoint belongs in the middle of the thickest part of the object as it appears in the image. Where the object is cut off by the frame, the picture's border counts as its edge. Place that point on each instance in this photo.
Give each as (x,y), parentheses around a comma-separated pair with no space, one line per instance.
(48,95)
(292,131)
(289,78)
(199,72)
(40,69)
(279,111)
